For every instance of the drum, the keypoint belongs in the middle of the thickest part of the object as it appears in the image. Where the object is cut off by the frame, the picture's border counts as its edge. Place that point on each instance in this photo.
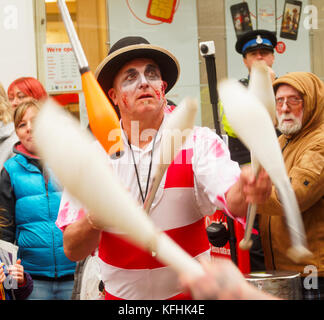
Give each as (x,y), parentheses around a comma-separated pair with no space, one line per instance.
(282,284)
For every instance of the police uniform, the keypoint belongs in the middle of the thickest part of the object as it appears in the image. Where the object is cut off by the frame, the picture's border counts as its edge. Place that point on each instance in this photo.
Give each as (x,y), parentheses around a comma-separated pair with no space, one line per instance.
(249,41)
(256,39)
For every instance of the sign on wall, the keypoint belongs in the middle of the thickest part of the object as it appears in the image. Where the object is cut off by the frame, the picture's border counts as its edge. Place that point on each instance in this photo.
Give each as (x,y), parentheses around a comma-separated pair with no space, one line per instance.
(162,10)
(62,71)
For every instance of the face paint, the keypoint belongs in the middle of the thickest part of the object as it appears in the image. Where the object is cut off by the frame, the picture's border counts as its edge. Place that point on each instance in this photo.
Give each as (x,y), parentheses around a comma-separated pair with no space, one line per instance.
(158,94)
(124,98)
(134,78)
(139,88)
(161,92)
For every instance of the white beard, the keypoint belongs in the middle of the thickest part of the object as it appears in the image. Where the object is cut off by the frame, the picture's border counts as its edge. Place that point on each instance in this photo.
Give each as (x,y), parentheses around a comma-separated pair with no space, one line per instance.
(289,128)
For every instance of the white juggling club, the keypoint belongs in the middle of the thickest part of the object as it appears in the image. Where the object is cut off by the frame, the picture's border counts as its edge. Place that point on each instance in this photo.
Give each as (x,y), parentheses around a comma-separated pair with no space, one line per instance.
(175,133)
(260,85)
(83,169)
(250,120)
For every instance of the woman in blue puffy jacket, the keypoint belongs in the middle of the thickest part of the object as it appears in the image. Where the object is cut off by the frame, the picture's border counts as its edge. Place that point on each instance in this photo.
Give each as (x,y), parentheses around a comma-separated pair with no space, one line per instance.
(31,197)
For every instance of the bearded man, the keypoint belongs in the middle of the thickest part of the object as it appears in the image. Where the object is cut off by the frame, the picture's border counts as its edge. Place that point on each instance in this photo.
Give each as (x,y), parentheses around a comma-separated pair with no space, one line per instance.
(300,114)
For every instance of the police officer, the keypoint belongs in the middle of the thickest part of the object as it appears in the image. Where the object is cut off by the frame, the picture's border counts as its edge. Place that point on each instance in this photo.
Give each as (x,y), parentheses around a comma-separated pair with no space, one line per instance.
(253,45)
(256,45)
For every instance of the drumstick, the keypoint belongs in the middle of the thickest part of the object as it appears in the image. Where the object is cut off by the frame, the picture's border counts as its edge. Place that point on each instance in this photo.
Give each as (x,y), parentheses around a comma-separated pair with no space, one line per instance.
(174,135)
(250,120)
(80,167)
(260,85)
(103,120)
(246,242)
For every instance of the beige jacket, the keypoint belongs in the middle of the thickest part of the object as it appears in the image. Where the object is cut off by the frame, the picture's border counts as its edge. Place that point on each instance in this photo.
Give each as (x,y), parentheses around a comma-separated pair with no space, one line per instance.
(304,159)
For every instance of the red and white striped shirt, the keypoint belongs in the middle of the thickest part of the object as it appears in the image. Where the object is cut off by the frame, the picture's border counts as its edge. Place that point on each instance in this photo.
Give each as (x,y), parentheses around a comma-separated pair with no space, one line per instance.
(193,186)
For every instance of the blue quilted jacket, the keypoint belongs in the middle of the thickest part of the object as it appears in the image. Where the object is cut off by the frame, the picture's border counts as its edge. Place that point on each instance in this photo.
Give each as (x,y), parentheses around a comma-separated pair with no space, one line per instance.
(37,202)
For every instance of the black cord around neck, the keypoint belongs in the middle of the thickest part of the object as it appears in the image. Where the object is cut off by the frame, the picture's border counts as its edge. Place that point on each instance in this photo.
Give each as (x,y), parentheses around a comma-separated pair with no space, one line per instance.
(143,196)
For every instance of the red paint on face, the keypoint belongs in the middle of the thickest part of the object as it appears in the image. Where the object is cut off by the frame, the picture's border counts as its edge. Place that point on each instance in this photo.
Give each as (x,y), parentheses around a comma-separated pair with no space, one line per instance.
(161,93)
(158,94)
(139,89)
(125,101)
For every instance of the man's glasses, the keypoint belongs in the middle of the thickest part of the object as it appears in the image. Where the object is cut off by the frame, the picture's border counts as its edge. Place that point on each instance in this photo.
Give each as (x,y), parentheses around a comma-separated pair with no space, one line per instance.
(291,101)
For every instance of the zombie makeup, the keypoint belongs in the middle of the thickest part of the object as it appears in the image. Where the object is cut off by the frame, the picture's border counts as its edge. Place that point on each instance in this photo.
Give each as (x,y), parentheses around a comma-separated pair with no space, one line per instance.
(134,78)
(139,83)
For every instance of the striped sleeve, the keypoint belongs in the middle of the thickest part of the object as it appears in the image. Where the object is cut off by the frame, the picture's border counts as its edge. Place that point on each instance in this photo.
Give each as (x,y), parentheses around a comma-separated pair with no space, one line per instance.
(214,171)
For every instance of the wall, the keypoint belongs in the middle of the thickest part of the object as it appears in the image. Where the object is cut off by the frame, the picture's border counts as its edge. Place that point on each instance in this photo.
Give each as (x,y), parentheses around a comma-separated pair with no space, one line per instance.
(297,56)
(211,27)
(317,40)
(179,37)
(18,53)
(92,29)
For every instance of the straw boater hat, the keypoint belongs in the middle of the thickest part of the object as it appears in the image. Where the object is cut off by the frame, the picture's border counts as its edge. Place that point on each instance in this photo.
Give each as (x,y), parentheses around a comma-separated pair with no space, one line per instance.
(129,48)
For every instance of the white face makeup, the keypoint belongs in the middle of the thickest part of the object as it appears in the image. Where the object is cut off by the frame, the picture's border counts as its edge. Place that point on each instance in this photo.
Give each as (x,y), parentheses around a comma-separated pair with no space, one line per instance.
(139,90)
(134,78)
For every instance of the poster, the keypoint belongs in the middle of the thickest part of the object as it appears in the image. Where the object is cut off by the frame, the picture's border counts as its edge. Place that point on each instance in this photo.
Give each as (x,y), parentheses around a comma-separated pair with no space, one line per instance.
(290,20)
(241,18)
(62,71)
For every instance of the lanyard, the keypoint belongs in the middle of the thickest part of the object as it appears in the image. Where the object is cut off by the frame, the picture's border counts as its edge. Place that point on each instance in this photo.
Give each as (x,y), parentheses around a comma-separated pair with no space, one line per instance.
(143,196)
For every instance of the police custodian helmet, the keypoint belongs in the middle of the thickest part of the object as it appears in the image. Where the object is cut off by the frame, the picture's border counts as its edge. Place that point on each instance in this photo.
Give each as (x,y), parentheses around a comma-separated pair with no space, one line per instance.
(256,39)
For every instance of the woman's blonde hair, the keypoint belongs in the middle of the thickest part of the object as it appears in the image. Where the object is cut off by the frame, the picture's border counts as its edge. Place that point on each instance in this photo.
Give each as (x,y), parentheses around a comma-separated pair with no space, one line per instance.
(21,109)
(5,107)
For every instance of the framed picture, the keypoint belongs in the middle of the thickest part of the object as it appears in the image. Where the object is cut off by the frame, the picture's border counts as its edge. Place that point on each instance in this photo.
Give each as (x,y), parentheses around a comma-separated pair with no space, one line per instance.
(241,18)
(290,19)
